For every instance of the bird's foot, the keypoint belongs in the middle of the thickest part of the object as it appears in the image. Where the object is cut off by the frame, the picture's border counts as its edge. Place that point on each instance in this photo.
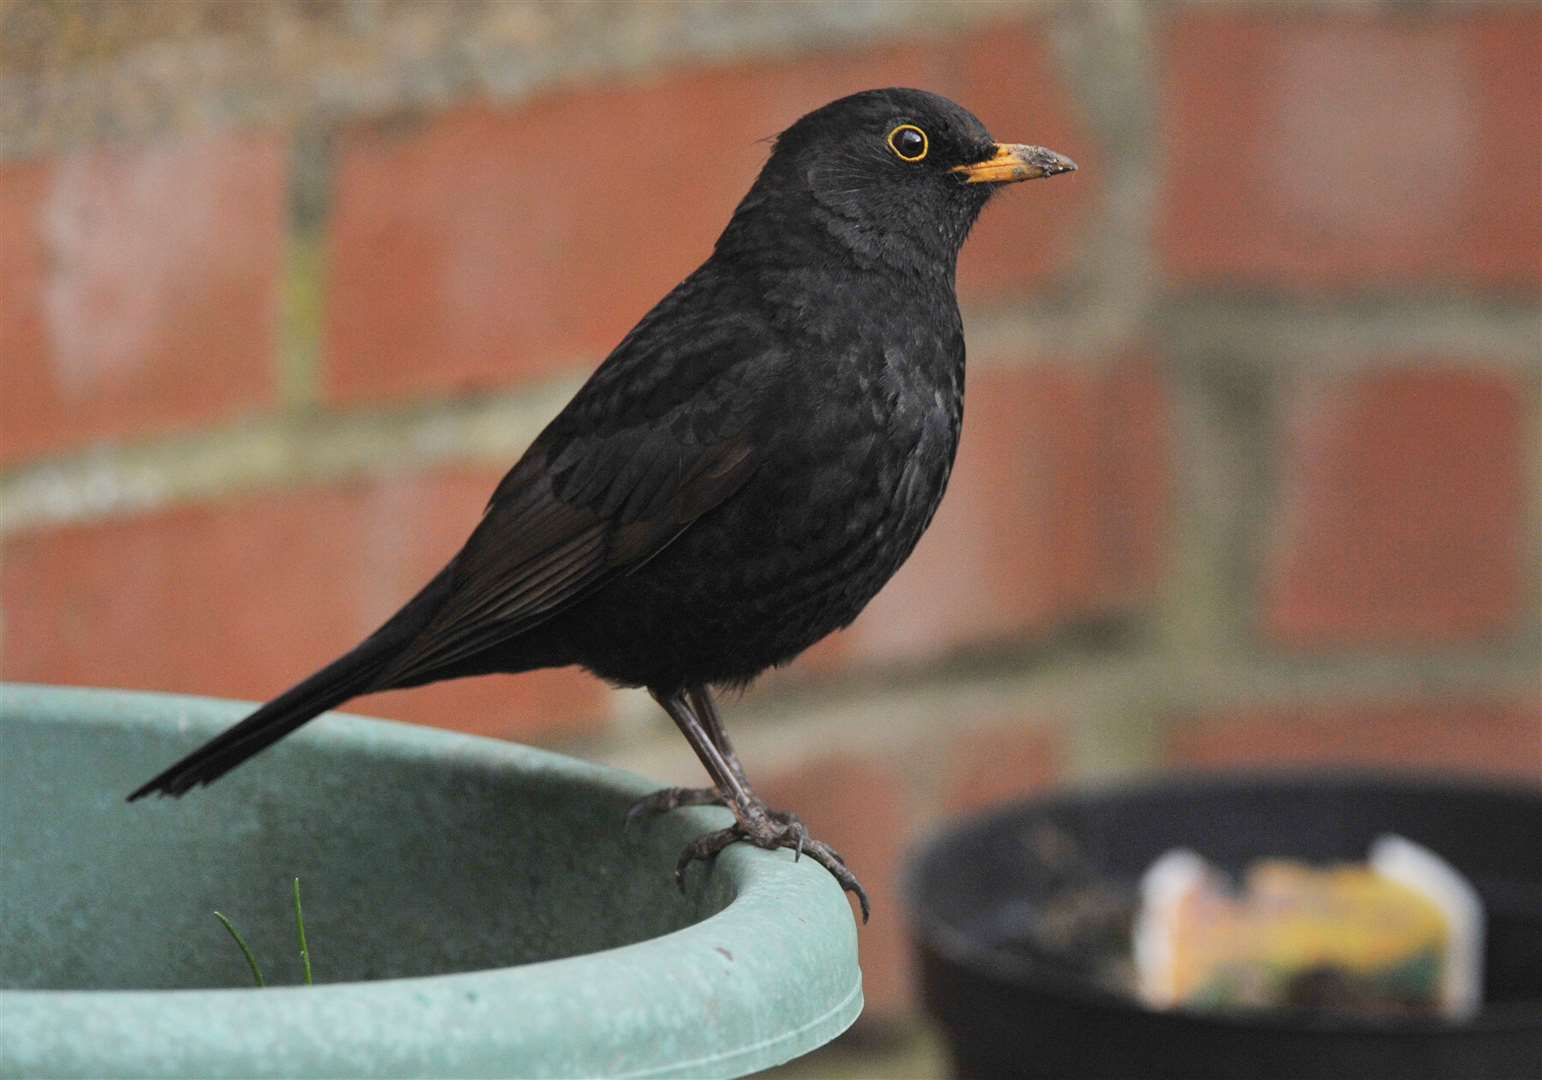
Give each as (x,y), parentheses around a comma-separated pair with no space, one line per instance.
(754,822)
(772,829)
(672,798)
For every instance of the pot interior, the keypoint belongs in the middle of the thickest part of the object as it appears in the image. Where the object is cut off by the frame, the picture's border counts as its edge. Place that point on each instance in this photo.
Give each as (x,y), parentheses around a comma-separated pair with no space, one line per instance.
(419,853)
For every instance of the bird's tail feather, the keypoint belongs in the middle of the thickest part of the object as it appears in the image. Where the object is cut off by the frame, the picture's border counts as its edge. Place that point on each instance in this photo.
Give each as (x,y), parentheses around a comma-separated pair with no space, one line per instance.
(348,676)
(329,687)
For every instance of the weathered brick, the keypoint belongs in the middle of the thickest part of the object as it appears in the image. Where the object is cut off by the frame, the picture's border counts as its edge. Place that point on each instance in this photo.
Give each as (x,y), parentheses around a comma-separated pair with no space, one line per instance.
(860,806)
(1055,512)
(536,706)
(1353,147)
(1029,235)
(245,597)
(1402,516)
(997,762)
(484,246)
(1478,735)
(1135,480)
(866,806)
(1013,547)
(138,289)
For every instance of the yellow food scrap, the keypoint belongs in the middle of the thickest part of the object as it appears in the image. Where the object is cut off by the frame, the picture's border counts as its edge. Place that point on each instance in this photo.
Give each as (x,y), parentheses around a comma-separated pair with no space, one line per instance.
(1289,918)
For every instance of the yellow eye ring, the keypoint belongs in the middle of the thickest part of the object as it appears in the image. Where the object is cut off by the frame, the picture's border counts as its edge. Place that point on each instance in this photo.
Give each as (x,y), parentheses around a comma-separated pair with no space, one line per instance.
(909,143)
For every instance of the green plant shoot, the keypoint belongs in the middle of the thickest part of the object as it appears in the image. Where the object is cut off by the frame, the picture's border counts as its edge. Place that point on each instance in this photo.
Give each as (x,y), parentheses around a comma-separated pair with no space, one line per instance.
(299,922)
(251,961)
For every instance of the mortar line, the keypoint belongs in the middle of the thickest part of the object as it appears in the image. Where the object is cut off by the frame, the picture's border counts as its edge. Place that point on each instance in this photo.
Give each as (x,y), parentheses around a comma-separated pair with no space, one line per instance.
(278,449)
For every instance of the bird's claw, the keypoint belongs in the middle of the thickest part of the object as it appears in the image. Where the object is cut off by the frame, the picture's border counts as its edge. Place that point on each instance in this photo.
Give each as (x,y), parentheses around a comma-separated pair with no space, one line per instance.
(779,830)
(672,798)
(827,857)
(755,823)
(704,847)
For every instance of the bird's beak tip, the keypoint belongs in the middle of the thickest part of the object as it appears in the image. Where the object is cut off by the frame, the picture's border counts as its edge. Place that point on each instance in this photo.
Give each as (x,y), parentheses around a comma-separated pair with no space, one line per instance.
(1013,162)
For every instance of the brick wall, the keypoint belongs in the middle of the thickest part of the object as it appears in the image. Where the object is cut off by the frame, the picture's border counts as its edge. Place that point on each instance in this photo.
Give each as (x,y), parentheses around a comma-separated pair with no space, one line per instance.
(1250,468)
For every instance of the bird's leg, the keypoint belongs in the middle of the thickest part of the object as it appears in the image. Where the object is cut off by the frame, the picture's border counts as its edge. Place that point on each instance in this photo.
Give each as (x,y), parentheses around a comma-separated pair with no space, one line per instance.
(729,785)
(695,714)
(706,710)
(699,702)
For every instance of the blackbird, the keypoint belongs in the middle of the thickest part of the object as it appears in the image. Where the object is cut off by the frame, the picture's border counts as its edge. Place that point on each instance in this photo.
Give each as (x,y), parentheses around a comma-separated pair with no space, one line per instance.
(741,475)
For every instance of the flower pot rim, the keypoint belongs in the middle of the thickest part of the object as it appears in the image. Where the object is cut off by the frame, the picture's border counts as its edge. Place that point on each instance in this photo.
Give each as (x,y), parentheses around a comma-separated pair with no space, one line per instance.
(782,917)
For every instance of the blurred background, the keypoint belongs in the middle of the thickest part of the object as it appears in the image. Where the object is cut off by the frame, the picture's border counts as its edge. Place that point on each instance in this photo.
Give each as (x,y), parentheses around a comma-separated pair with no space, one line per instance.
(1250,470)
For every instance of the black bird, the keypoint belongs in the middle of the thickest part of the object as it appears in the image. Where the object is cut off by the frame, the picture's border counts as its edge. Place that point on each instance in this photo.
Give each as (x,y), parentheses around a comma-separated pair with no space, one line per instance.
(740,476)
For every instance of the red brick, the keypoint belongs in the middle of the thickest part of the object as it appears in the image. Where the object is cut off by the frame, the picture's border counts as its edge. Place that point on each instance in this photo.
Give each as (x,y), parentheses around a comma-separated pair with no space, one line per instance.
(243,598)
(1403,513)
(997,764)
(485,246)
(1134,481)
(1373,147)
(1490,736)
(138,289)
(860,806)
(866,808)
(537,706)
(1028,235)
(1055,512)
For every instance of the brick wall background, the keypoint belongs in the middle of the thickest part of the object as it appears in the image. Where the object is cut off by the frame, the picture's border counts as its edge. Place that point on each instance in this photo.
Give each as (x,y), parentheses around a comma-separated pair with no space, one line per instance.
(1251,461)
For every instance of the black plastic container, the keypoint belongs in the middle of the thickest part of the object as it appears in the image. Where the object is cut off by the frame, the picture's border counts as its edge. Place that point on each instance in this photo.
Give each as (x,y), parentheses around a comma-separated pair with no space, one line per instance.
(1015,1011)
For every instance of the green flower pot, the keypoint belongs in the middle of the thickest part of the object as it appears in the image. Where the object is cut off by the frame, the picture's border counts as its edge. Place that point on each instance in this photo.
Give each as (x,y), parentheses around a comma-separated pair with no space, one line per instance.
(473,908)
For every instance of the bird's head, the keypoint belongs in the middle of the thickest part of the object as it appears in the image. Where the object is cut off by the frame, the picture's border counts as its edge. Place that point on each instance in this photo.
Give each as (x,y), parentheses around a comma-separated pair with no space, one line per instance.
(895,175)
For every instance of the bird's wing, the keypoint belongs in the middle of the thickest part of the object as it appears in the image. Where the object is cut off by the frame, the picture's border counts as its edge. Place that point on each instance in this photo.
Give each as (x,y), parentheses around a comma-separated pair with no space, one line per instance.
(536,552)
(633,460)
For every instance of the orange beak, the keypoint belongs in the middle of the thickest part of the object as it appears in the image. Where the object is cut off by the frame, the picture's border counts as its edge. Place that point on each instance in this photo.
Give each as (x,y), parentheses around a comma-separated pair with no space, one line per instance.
(1012,163)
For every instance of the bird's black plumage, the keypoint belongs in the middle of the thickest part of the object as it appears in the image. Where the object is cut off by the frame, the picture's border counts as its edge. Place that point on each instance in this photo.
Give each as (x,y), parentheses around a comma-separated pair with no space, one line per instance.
(742,474)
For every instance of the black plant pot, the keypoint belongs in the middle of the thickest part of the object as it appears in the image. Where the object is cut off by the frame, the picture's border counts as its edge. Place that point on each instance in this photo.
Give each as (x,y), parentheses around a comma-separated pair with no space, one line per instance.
(1013,1010)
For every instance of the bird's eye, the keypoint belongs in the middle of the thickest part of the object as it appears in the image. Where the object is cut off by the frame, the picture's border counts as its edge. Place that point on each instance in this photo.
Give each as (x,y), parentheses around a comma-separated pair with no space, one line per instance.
(908,142)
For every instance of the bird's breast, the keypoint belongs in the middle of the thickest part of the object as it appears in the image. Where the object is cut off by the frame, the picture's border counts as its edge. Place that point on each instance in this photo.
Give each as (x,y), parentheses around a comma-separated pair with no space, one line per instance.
(854,436)
(846,484)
